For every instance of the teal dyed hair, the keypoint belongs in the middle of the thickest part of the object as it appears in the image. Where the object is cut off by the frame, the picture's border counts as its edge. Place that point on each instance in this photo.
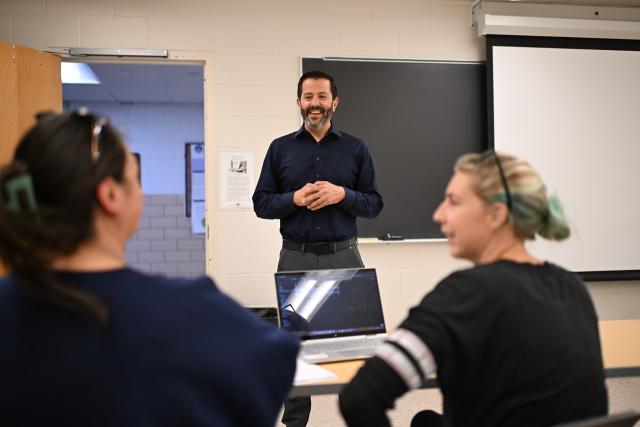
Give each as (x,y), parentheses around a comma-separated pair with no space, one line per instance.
(532,211)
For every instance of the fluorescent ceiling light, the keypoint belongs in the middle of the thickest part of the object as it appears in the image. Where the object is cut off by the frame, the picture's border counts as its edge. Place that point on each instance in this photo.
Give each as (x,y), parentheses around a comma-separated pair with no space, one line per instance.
(78,73)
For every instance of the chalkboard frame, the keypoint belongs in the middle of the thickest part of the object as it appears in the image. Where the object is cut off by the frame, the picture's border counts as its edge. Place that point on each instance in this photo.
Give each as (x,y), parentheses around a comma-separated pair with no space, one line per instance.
(413,164)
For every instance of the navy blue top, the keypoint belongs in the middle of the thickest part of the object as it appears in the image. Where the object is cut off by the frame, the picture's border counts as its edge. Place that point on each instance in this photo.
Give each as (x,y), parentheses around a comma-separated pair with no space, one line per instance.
(296,159)
(176,352)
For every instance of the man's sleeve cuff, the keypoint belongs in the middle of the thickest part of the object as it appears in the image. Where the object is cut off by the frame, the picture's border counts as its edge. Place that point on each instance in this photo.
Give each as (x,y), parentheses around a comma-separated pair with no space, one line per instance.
(349,199)
(286,202)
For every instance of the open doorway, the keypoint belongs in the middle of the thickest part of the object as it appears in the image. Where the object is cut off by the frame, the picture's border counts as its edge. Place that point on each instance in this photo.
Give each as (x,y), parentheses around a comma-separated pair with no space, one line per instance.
(159,108)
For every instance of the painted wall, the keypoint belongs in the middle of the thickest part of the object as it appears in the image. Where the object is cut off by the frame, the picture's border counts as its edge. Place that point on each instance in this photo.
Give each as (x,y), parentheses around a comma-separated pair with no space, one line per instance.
(256,47)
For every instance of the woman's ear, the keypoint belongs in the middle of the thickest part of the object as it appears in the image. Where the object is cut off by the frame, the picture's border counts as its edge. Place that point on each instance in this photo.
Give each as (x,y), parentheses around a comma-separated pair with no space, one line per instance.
(108,195)
(499,215)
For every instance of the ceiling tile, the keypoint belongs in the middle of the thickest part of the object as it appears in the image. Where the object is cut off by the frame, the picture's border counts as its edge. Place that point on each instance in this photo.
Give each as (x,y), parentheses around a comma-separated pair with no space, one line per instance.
(185,93)
(76,92)
(128,92)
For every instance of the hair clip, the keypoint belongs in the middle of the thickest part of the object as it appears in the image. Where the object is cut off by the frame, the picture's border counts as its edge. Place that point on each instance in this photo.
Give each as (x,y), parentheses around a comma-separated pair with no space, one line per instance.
(20,185)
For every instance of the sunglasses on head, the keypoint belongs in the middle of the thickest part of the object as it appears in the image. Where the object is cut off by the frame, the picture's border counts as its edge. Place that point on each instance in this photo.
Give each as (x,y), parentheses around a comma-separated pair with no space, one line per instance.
(97,123)
(491,153)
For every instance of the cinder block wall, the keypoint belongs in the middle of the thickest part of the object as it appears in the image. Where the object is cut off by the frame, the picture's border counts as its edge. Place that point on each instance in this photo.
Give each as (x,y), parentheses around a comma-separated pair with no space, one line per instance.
(164,242)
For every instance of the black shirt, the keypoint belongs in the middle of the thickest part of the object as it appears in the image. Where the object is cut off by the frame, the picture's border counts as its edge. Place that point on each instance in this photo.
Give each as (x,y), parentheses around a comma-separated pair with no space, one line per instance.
(296,159)
(514,344)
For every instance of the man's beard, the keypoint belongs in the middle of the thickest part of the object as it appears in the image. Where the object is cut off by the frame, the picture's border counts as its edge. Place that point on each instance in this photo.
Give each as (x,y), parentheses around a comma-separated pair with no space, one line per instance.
(324,118)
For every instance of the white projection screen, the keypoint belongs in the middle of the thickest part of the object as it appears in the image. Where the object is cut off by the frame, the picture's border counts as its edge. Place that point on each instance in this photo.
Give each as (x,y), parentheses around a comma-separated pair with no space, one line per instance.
(571,107)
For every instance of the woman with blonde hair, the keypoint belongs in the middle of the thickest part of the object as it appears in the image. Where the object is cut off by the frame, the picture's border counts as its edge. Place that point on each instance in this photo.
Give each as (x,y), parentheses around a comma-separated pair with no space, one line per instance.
(87,341)
(514,339)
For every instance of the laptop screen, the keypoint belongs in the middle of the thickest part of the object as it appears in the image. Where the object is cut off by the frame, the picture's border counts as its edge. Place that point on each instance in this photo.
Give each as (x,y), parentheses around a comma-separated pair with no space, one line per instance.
(330,303)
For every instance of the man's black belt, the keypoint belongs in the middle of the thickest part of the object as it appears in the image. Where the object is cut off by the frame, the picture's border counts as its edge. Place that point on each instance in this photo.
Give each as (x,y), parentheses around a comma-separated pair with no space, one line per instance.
(319,248)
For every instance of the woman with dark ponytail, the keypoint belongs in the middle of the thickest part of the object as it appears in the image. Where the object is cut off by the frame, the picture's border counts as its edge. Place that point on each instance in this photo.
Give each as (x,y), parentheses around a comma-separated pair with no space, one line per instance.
(513,339)
(86,341)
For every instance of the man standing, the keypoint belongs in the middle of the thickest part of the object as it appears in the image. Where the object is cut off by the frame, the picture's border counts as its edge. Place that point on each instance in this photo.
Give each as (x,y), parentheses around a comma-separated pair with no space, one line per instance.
(316,181)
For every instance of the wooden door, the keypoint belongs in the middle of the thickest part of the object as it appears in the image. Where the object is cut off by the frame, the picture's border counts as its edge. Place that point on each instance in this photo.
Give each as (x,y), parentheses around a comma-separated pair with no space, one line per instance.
(29,82)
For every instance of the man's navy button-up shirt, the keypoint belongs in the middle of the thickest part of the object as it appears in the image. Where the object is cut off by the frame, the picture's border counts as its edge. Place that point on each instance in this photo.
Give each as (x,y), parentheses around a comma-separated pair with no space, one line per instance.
(296,159)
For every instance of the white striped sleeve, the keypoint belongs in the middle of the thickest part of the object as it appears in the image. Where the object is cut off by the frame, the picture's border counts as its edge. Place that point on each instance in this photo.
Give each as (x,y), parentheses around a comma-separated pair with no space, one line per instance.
(413,364)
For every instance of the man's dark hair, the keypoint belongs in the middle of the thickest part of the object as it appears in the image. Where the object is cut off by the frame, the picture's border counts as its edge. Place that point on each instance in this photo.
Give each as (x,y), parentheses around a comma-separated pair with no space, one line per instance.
(318,75)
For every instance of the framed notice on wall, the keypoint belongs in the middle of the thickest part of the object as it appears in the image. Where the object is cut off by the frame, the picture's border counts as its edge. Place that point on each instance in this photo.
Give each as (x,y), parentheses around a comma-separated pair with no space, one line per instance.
(194,186)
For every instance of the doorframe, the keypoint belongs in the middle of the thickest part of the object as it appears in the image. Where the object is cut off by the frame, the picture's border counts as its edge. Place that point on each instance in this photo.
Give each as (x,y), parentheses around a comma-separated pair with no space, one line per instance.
(196,57)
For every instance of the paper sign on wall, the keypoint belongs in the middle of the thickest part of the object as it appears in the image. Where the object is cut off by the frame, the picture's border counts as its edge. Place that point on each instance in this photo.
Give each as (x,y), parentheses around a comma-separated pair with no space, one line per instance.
(237,179)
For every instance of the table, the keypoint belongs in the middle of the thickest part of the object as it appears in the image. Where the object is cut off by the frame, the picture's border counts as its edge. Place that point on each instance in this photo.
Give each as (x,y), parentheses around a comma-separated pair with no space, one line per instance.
(619,339)
(620,342)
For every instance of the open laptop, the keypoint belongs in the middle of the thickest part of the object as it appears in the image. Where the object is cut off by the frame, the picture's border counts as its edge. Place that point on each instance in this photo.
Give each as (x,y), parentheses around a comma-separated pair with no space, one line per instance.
(336,313)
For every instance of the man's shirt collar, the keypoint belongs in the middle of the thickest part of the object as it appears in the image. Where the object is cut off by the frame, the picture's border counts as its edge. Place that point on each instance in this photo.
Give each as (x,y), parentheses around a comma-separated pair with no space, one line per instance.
(332,130)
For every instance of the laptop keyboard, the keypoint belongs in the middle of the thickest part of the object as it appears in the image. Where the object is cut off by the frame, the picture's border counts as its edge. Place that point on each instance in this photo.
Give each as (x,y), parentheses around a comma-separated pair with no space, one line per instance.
(339,346)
